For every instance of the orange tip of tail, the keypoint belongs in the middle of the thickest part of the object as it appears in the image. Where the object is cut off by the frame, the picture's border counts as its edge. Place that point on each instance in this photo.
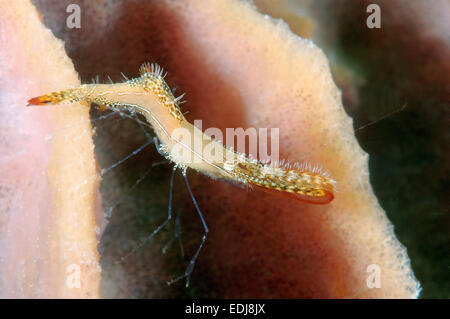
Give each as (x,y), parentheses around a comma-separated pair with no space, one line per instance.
(319,200)
(39,100)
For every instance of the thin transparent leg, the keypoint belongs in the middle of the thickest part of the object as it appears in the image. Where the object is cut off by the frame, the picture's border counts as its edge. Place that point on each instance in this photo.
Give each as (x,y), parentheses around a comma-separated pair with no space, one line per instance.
(169,216)
(190,267)
(176,235)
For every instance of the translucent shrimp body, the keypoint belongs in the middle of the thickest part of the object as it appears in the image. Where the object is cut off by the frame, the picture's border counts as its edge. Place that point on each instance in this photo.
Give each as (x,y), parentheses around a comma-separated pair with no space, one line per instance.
(186,145)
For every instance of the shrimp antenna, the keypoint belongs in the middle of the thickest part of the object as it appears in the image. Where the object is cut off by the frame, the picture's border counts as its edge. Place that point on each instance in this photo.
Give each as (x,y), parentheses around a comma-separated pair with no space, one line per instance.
(381,118)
